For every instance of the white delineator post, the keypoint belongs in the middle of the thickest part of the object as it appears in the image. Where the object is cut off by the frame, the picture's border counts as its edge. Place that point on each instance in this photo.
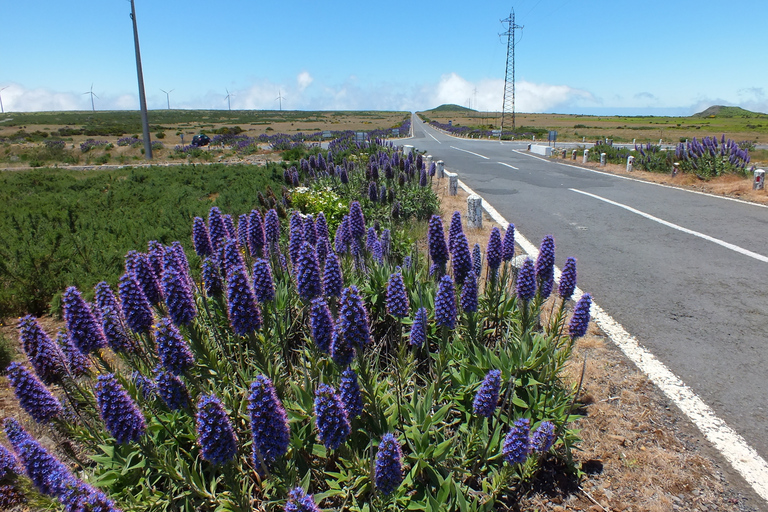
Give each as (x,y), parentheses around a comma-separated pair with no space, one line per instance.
(440,169)
(586,156)
(630,163)
(407,149)
(602,159)
(573,155)
(475,212)
(759,182)
(428,161)
(453,184)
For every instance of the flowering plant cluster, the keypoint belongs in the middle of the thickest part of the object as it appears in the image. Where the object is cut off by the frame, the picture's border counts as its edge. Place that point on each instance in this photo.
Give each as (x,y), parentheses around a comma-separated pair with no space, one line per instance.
(94,144)
(303,367)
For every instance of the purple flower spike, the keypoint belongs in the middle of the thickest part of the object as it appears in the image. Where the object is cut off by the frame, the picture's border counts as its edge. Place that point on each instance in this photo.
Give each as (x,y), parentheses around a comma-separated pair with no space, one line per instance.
(419,328)
(388,473)
(136,308)
(567,279)
(445,303)
(178,295)
(310,233)
(32,394)
(8,465)
(232,257)
(119,412)
(342,238)
(300,501)
(214,431)
(212,281)
(332,279)
(373,192)
(580,319)
(321,227)
(546,286)
(216,229)
(462,260)
(308,282)
(78,363)
(104,296)
(477,261)
(370,238)
(353,325)
(349,392)
(43,354)
(545,261)
(296,238)
(544,437)
(356,220)
(517,444)
(526,281)
(331,417)
(172,390)
(200,238)
(508,245)
(468,297)
(269,423)
(386,242)
(454,229)
(172,348)
(155,255)
(272,228)
(256,237)
(494,251)
(85,331)
(244,313)
(321,324)
(423,178)
(397,297)
(229,226)
(263,283)
(112,322)
(438,250)
(487,396)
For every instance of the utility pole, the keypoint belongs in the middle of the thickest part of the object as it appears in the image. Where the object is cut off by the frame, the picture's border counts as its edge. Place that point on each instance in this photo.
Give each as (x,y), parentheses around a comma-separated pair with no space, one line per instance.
(509,78)
(142,96)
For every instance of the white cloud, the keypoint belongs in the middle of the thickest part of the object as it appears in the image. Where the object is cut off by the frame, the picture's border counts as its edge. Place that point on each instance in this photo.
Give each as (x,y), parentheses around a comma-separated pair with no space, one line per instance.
(304,80)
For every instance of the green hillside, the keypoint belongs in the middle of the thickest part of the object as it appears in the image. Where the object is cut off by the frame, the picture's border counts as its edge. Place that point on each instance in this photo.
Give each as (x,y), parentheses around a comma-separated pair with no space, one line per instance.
(722,111)
(450,107)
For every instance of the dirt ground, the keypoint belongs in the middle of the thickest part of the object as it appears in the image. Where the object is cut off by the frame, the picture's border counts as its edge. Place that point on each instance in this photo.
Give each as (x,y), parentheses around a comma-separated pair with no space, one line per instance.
(639,453)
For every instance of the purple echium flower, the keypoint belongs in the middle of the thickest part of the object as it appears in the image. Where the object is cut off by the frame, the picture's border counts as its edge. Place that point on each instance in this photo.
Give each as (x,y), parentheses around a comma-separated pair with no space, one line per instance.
(477,261)
(356,220)
(526,281)
(322,249)
(432,169)
(155,252)
(136,308)
(49,475)
(256,238)
(310,233)
(272,228)
(212,281)
(321,227)
(145,276)
(580,319)
(182,263)
(308,282)
(78,363)
(567,279)
(461,258)
(377,252)
(171,390)
(85,331)
(119,412)
(10,495)
(244,313)
(178,295)
(349,392)
(332,280)
(343,176)
(454,229)
(445,303)
(172,348)
(201,240)
(104,296)
(517,443)
(545,265)
(370,238)
(216,229)
(8,464)
(331,417)
(321,324)
(146,387)
(468,297)
(373,192)
(386,242)
(418,333)
(546,286)
(296,239)
(388,472)
(231,256)
(300,501)
(487,396)
(130,261)
(263,283)
(229,226)
(397,296)
(112,323)
(242,230)
(438,250)
(494,251)
(352,325)
(543,438)
(269,423)
(214,431)
(32,394)
(508,245)
(43,354)
(423,178)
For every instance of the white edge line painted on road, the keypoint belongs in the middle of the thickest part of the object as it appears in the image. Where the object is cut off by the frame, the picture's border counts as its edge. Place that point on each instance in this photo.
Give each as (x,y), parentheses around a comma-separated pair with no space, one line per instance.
(727,441)
(510,166)
(708,238)
(470,152)
(425,131)
(618,176)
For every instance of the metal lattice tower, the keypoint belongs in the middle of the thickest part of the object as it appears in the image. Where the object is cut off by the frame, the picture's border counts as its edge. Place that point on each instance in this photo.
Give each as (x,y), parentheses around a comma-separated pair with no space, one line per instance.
(509,78)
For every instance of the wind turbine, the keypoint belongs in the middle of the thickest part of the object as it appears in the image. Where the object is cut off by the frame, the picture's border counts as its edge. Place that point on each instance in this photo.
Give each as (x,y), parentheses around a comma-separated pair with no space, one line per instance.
(229,99)
(280,98)
(168,97)
(93,106)
(2,109)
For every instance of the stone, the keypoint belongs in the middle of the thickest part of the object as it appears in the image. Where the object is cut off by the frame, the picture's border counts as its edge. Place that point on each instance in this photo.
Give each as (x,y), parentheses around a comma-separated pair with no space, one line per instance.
(474,212)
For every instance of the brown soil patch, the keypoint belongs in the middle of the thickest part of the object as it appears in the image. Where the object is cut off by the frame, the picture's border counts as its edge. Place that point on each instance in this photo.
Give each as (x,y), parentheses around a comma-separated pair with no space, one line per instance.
(639,453)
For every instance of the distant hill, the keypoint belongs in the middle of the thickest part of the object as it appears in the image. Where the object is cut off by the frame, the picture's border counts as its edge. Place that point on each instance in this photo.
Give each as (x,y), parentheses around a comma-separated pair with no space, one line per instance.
(721,111)
(450,107)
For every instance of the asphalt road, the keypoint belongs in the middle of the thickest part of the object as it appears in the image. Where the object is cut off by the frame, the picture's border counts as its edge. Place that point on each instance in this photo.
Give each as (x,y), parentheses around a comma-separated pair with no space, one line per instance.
(698,305)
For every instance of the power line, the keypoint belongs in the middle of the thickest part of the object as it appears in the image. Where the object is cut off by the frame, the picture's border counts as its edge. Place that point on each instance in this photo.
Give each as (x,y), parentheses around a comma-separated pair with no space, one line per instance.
(509,77)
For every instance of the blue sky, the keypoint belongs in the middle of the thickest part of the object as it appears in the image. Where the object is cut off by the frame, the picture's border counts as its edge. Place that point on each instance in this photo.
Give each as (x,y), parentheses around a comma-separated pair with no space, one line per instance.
(590,56)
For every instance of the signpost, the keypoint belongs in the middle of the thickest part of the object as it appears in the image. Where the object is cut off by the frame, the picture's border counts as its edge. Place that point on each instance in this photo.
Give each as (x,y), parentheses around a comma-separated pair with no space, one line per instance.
(553,138)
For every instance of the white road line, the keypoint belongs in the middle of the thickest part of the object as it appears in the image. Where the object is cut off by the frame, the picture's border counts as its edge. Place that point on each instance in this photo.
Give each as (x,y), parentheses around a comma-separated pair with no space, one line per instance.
(648,216)
(470,152)
(510,166)
(727,441)
(663,185)
(425,131)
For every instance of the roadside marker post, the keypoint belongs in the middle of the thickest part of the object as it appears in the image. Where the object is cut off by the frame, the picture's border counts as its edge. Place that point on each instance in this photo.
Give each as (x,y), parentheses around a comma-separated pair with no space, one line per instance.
(440,169)
(586,156)
(630,163)
(602,159)
(759,182)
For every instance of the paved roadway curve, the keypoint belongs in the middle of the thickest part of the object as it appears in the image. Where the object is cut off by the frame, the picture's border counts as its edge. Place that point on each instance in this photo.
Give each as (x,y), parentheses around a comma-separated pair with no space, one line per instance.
(698,306)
